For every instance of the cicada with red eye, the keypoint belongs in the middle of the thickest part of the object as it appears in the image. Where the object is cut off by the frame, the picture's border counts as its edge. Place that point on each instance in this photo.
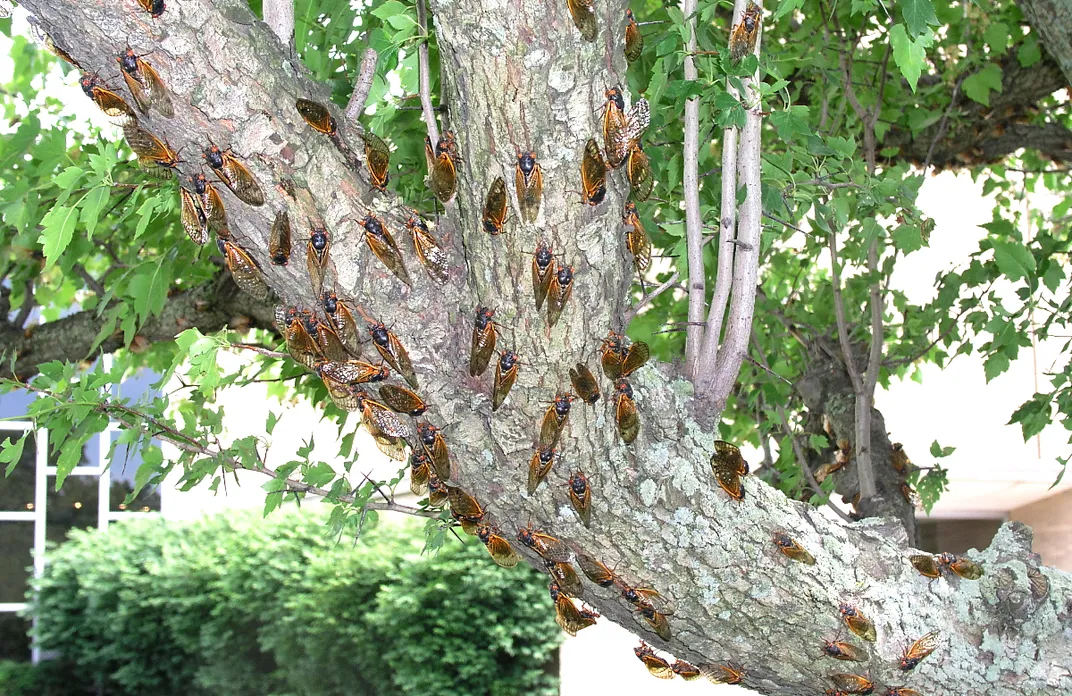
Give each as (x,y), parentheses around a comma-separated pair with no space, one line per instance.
(443,171)
(857,622)
(926,564)
(378,159)
(584,18)
(465,509)
(279,239)
(611,351)
(317,116)
(528,178)
(392,351)
(350,371)
(641,179)
(901,691)
(685,670)
(656,621)
(483,343)
(235,176)
(343,320)
(192,216)
(554,419)
(722,674)
(151,151)
(435,446)
(566,577)
(540,464)
(144,84)
(634,40)
(155,8)
(597,572)
(636,239)
(728,466)
(420,471)
(387,430)
(548,547)
(791,548)
(593,174)
(967,569)
(106,100)
(843,651)
(402,400)
(300,343)
(625,412)
(384,247)
(437,491)
(505,376)
(543,270)
(585,384)
(580,495)
(245,271)
(558,293)
(567,615)
(915,653)
(853,683)
(622,130)
(211,203)
(429,253)
(495,207)
(744,34)
(499,548)
(657,666)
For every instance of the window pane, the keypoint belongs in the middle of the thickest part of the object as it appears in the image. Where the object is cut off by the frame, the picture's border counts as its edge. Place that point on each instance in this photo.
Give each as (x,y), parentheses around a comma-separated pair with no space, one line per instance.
(74,505)
(16,544)
(125,463)
(17,490)
(90,452)
(14,404)
(14,638)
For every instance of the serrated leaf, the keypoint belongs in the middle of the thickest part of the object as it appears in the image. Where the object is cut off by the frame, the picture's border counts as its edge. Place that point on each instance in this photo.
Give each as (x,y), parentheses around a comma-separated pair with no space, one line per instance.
(908,54)
(979,85)
(1029,52)
(997,38)
(92,204)
(58,224)
(918,15)
(791,122)
(145,215)
(995,365)
(11,452)
(908,238)
(319,475)
(148,290)
(1014,260)
(785,7)
(389,9)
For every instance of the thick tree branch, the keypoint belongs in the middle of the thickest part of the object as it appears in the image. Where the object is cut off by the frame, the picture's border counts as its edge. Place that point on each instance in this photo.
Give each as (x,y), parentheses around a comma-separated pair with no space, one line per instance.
(694,332)
(362,85)
(1052,19)
(279,15)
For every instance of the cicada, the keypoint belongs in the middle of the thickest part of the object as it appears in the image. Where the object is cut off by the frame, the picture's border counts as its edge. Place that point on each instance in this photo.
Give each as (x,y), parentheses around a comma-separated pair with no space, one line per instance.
(144,84)
(584,18)
(528,178)
(155,8)
(584,383)
(566,577)
(499,548)
(857,622)
(967,569)
(852,683)
(108,101)
(437,491)
(343,319)
(483,343)
(300,343)
(791,548)
(245,271)
(392,351)
(554,419)
(926,564)
(899,460)
(843,651)
(317,250)
(619,361)
(350,371)
(548,547)
(495,207)
(636,239)
(431,256)
(387,429)
(317,116)
(625,412)
(915,653)
(211,203)
(384,247)
(657,666)
(567,615)
(580,495)
(378,159)
(596,571)
(1040,584)
(593,174)
(279,239)
(558,293)
(151,151)
(634,40)
(329,342)
(402,400)
(505,376)
(235,176)
(435,446)
(685,670)
(622,130)
(443,172)
(192,217)
(728,466)
(901,691)
(540,464)
(543,269)
(722,674)
(744,34)
(420,471)
(641,180)
(465,509)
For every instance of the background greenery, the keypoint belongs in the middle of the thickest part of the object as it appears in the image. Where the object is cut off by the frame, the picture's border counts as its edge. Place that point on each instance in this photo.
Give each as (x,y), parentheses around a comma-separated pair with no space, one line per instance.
(238,605)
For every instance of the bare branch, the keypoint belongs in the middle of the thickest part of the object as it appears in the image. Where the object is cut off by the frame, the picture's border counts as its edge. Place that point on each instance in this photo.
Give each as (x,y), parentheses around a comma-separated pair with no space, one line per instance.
(874,363)
(279,16)
(693,224)
(943,124)
(425,75)
(28,304)
(362,85)
(647,299)
(92,282)
(839,312)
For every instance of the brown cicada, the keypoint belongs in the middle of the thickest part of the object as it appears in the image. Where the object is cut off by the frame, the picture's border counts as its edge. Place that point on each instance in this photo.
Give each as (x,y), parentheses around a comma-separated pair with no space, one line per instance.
(144,84)
(108,101)
(497,545)
(728,467)
(495,207)
(580,495)
(429,253)
(554,419)
(528,178)
(384,247)
(857,622)
(540,464)
(483,343)
(791,548)
(543,270)
(235,176)
(593,174)
(625,412)
(392,351)
(505,376)
(657,666)
(585,384)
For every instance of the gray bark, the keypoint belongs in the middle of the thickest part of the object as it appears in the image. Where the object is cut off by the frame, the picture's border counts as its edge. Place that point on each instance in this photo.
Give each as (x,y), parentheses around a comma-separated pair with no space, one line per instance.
(517,76)
(1052,19)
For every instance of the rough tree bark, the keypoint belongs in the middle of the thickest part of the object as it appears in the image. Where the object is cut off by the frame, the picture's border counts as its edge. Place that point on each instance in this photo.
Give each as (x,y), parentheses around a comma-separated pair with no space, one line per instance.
(517,77)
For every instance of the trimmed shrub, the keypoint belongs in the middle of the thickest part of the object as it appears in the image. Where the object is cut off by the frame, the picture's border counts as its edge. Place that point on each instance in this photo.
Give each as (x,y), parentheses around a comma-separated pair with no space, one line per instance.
(240,605)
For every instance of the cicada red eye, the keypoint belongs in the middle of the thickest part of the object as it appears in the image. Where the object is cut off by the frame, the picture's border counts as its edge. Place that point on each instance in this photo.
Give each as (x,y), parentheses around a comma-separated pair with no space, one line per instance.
(843,651)
(402,400)
(465,509)
(853,683)
(858,623)
(279,239)
(317,116)
(792,549)
(235,176)
(107,101)
(585,384)
(495,207)
(540,464)
(641,179)
(685,670)
(145,85)
(193,217)
(625,412)
(744,34)
(245,271)
(728,466)
(596,571)
(558,293)
(505,376)
(431,256)
(378,159)
(634,40)
(566,577)
(435,445)
(967,569)
(657,666)
(554,419)
(528,178)
(636,239)
(722,674)
(155,8)
(316,256)
(584,18)
(548,547)
(384,247)
(593,174)
(918,650)
(499,548)
(151,151)
(611,354)
(925,564)
(543,270)
(211,203)
(443,176)
(483,343)
(580,495)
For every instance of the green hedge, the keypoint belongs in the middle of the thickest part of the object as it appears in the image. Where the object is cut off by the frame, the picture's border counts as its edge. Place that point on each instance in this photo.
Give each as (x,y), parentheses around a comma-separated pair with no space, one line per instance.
(239,605)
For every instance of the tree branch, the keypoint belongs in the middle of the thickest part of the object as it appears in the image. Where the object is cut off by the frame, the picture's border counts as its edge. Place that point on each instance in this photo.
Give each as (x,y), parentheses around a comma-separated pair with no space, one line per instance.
(279,15)
(425,75)
(694,332)
(839,313)
(362,85)
(649,298)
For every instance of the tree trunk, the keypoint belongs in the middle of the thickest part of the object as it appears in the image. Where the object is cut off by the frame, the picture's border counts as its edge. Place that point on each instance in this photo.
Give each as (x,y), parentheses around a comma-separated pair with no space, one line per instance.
(517,76)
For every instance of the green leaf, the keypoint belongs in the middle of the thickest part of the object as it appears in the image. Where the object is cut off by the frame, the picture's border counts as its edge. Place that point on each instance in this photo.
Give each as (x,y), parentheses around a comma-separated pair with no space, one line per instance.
(148,290)
(391,8)
(1014,260)
(11,452)
(818,442)
(791,122)
(909,55)
(995,365)
(58,231)
(979,86)
(1029,52)
(997,38)
(320,475)
(918,14)
(92,204)
(145,214)
(785,7)
(908,238)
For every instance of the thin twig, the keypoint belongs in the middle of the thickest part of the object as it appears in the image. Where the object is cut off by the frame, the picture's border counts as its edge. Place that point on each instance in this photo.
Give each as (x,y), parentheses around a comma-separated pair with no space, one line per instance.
(279,16)
(693,224)
(425,75)
(649,298)
(95,286)
(362,85)
(260,349)
(940,133)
